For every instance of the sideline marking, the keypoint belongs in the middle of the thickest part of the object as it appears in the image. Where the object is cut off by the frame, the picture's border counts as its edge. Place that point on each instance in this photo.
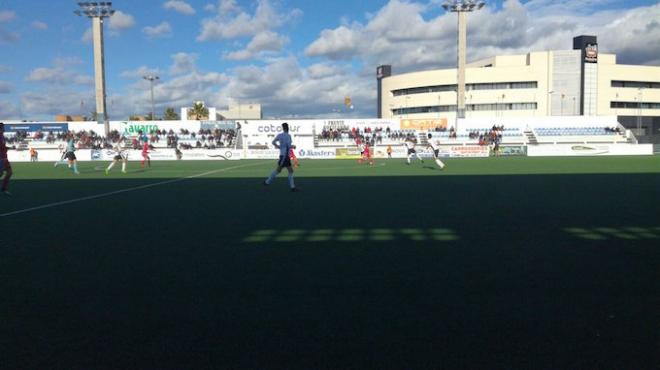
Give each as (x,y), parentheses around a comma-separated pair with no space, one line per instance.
(146,186)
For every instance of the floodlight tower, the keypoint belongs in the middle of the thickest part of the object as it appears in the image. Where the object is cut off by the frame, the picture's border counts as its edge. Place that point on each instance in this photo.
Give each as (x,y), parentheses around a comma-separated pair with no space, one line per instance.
(98,11)
(462,7)
(151,79)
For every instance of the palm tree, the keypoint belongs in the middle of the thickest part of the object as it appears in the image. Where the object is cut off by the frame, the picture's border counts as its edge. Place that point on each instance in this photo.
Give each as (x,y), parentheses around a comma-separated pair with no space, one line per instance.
(170,115)
(198,112)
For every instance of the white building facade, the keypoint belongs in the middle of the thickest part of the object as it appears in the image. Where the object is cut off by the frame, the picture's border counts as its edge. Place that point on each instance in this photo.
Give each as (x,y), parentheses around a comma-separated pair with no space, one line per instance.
(578,82)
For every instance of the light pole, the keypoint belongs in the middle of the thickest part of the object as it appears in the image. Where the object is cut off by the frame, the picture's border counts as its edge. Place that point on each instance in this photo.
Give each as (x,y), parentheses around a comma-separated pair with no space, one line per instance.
(462,7)
(561,103)
(98,11)
(151,79)
(550,102)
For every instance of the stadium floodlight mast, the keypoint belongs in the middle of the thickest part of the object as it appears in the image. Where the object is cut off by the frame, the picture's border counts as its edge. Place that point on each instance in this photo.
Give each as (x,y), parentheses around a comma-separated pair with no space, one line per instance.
(98,11)
(462,7)
(151,79)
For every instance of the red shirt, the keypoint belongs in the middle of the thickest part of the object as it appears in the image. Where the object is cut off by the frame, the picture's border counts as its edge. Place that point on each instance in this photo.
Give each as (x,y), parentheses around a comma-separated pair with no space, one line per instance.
(145,148)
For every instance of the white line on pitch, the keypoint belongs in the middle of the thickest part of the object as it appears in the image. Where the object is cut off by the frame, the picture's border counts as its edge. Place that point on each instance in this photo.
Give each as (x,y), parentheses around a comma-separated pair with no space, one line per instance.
(146,186)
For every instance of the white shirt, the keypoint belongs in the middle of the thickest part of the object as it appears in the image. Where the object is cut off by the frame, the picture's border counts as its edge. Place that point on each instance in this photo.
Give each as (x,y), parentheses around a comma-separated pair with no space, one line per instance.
(434,144)
(284,141)
(119,148)
(410,144)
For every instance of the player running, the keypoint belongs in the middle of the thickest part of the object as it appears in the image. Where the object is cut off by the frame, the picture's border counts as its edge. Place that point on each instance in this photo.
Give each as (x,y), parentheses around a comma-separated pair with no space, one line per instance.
(5,166)
(410,144)
(62,157)
(120,155)
(71,154)
(435,147)
(283,143)
(145,154)
(366,154)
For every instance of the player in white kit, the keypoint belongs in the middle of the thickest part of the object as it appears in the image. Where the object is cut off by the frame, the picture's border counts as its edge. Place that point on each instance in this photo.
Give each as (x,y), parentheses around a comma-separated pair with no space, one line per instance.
(435,147)
(410,144)
(284,143)
(120,155)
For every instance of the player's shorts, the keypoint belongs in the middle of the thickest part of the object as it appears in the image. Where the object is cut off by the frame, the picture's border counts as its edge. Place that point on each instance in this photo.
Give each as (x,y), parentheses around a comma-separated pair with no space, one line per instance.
(4,165)
(118,157)
(412,151)
(284,161)
(436,153)
(71,156)
(145,154)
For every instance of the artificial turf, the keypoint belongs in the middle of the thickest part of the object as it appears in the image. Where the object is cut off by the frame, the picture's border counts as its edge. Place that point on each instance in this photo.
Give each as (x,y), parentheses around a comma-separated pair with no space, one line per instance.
(492,263)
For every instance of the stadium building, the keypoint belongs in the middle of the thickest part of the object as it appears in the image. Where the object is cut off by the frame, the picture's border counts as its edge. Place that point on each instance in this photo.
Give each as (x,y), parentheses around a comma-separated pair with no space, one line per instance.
(578,82)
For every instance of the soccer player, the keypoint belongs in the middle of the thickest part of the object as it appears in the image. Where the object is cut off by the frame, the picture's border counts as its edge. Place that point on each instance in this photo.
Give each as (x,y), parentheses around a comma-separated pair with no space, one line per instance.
(410,144)
(292,156)
(366,154)
(71,154)
(283,143)
(119,156)
(5,166)
(145,154)
(435,147)
(63,157)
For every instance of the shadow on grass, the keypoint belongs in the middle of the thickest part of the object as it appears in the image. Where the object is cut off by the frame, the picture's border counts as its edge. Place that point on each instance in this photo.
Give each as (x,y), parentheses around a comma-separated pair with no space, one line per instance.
(393,272)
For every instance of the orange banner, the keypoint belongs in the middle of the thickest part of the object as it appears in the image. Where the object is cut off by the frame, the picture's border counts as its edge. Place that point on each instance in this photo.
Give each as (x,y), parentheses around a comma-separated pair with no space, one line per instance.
(423,124)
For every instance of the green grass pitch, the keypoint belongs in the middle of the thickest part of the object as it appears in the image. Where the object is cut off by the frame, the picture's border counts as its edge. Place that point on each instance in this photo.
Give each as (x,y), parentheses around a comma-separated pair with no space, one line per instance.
(492,263)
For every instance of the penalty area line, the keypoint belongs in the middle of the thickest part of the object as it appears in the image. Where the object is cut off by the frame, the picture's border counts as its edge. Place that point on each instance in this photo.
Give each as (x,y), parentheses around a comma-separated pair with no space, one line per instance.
(127,190)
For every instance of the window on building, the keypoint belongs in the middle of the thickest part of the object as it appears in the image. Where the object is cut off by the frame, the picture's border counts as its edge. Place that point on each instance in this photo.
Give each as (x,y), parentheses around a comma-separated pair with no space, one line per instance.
(636,84)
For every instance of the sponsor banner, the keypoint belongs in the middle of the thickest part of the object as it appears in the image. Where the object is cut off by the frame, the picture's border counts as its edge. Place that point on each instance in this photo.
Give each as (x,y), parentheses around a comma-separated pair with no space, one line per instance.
(34,127)
(265,128)
(589,150)
(514,150)
(316,153)
(423,124)
(348,153)
(131,128)
(591,53)
(464,151)
(211,155)
(262,154)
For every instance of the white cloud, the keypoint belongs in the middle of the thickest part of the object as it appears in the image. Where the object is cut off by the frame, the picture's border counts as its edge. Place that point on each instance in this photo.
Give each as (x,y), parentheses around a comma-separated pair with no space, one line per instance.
(38,25)
(5,68)
(162,30)
(58,76)
(232,22)
(140,72)
(121,21)
(8,110)
(183,63)
(6,87)
(209,8)
(7,16)
(180,7)
(8,37)
(260,45)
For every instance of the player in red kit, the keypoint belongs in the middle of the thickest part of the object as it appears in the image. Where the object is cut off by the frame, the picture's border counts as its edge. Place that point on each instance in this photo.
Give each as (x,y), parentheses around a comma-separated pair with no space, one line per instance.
(5,166)
(366,154)
(145,154)
(293,158)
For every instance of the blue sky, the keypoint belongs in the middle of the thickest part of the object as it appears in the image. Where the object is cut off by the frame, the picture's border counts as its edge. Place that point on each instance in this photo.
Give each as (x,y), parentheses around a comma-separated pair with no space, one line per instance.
(296,58)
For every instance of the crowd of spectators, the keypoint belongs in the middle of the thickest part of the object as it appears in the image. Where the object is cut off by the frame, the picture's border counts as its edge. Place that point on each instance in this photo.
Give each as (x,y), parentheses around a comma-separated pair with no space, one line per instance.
(207,139)
(369,134)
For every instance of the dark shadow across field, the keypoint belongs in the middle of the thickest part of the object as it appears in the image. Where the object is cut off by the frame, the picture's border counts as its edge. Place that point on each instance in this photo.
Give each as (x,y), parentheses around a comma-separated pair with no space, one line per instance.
(552,271)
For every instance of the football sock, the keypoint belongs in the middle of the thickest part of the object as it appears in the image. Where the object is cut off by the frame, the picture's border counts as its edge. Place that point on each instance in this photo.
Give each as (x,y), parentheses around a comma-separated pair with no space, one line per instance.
(271,177)
(111,165)
(123,167)
(291,184)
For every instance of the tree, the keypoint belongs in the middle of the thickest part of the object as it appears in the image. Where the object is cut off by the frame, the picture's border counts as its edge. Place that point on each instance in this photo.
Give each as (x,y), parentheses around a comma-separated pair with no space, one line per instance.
(198,112)
(93,116)
(148,117)
(134,117)
(170,115)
